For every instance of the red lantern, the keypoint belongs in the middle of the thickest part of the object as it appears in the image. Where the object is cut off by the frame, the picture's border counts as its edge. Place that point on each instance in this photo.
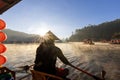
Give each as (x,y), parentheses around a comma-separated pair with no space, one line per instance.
(2,48)
(3,36)
(2,59)
(2,24)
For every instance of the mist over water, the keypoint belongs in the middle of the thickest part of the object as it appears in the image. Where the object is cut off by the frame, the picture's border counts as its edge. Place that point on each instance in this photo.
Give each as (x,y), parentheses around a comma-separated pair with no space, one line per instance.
(91,58)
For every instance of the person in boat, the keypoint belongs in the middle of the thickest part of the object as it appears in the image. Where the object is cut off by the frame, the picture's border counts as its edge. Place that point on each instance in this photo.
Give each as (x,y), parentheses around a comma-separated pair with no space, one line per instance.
(46,57)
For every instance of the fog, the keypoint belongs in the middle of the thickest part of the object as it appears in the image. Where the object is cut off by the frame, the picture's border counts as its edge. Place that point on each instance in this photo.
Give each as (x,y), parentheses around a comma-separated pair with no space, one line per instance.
(91,58)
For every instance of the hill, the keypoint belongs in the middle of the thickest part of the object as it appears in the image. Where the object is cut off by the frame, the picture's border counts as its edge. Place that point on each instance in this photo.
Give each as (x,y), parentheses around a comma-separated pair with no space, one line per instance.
(20,37)
(103,31)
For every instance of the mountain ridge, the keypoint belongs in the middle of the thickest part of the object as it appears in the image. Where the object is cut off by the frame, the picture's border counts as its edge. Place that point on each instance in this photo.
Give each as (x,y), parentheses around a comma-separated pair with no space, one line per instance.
(20,37)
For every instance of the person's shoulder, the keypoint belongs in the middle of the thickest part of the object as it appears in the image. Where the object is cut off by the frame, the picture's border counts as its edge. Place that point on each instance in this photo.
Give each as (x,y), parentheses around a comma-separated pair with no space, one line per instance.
(57,48)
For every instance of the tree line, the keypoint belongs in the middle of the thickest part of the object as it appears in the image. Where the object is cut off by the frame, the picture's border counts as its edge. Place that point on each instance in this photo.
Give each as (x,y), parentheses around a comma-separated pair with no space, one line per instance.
(103,31)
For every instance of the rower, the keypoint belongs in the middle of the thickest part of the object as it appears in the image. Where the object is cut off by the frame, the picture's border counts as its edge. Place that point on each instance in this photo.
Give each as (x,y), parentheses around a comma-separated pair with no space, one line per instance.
(46,57)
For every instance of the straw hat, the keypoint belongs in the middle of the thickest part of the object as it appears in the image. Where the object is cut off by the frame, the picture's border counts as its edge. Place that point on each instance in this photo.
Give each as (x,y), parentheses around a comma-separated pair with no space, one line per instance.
(49,38)
(50,35)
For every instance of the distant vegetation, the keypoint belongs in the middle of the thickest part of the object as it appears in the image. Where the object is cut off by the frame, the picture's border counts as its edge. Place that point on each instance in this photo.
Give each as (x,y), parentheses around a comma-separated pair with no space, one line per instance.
(105,31)
(20,37)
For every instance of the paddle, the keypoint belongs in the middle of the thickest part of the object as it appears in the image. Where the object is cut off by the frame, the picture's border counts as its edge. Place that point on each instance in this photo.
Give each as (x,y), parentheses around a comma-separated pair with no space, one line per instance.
(26,68)
(95,77)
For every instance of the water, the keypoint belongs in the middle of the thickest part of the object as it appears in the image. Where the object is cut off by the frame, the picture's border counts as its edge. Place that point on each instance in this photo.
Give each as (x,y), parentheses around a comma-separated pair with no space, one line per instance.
(91,58)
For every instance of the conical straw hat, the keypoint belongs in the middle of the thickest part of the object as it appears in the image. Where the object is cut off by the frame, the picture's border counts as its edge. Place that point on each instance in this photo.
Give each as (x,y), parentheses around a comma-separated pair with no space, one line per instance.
(50,35)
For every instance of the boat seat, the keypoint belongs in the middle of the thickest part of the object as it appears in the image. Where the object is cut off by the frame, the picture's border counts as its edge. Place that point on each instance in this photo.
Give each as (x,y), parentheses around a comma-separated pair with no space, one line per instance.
(6,70)
(36,75)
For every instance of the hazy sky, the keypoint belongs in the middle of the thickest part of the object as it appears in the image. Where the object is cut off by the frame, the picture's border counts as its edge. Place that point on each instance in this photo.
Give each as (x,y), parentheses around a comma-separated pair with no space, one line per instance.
(62,17)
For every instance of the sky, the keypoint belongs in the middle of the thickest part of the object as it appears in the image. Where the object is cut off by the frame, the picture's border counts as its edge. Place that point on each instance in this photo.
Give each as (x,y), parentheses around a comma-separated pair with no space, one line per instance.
(62,17)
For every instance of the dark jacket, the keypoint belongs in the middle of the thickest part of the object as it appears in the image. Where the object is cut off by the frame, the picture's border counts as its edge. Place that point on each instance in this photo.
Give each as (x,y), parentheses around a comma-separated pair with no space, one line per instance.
(46,57)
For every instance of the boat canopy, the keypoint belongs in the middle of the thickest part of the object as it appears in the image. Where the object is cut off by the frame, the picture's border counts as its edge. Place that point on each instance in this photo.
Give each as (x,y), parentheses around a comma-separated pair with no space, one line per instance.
(6,4)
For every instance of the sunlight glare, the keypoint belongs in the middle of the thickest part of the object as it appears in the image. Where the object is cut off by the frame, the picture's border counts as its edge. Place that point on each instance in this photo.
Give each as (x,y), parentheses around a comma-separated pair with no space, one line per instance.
(43,31)
(40,28)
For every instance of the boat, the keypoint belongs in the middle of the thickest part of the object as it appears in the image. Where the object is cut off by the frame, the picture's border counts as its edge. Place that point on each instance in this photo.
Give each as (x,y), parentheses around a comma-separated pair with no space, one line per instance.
(36,75)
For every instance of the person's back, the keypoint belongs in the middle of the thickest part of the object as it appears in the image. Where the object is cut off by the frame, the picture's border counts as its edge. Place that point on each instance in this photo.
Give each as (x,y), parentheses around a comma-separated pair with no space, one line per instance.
(46,59)
(46,56)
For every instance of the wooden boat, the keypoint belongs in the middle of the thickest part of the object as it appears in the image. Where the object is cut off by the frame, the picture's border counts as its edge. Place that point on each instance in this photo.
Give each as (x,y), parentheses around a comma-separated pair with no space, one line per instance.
(36,75)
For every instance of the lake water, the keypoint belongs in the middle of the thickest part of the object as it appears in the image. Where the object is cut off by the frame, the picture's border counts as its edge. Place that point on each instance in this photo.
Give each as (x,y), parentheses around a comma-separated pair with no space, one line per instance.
(91,58)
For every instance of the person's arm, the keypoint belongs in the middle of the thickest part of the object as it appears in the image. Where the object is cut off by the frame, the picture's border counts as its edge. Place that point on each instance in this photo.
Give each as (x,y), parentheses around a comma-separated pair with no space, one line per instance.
(62,57)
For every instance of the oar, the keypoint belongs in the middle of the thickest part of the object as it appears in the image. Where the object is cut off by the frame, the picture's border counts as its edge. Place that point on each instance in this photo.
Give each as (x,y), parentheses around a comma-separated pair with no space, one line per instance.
(95,77)
(26,67)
